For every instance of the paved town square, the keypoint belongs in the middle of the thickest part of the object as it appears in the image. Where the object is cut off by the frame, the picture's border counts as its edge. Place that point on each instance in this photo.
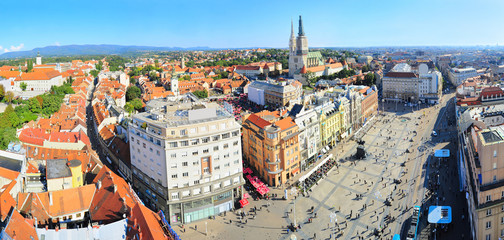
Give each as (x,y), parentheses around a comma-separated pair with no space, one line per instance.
(351,201)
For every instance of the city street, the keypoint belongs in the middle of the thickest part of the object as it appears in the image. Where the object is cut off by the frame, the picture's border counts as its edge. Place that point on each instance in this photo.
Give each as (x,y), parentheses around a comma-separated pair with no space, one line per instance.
(351,202)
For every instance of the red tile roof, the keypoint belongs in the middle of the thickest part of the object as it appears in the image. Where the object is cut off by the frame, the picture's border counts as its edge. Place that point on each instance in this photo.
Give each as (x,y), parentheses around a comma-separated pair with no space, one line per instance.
(35,136)
(20,228)
(261,123)
(56,203)
(285,123)
(6,200)
(39,75)
(145,223)
(113,199)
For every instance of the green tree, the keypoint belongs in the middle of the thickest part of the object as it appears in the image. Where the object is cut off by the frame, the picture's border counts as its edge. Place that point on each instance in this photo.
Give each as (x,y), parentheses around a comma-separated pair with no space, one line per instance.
(369,79)
(309,76)
(133,92)
(23,86)
(99,66)
(129,107)
(201,93)
(70,80)
(9,118)
(9,96)
(7,135)
(2,92)
(34,105)
(25,114)
(29,67)
(94,73)
(137,104)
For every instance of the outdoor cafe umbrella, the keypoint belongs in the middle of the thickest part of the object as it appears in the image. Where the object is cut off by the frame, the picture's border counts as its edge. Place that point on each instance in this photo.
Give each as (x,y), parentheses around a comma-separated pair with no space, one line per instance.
(244,202)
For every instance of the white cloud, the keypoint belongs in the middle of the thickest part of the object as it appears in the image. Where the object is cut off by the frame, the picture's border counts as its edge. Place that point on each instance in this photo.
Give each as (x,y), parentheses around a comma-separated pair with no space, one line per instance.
(6,50)
(14,48)
(1,48)
(57,44)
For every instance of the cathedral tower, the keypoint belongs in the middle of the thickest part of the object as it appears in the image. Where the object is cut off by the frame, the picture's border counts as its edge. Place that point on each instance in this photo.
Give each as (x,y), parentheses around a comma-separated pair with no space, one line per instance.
(298,54)
(38,60)
(292,41)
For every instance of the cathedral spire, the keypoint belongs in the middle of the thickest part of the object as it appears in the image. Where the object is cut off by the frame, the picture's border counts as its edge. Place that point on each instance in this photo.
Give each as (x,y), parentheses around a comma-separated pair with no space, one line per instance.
(292,29)
(301,31)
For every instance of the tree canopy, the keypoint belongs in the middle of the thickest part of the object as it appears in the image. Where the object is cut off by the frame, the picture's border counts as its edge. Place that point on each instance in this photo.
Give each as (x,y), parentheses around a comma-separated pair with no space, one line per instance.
(201,93)
(133,92)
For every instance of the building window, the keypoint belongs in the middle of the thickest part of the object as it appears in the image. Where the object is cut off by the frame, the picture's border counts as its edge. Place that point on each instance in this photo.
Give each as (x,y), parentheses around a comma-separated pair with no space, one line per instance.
(226,165)
(196,182)
(216,148)
(206,170)
(186,174)
(216,138)
(205,140)
(235,143)
(175,195)
(488,225)
(236,161)
(173,144)
(184,164)
(225,135)
(150,149)
(217,167)
(205,159)
(489,198)
(184,143)
(489,212)
(183,132)
(195,141)
(195,153)
(205,150)
(236,133)
(158,153)
(226,145)
(495,153)
(144,145)
(184,154)
(174,176)
(173,155)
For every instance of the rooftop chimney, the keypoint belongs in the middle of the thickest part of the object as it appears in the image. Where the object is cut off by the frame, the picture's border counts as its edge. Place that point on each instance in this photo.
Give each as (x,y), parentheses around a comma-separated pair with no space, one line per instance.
(115,188)
(50,199)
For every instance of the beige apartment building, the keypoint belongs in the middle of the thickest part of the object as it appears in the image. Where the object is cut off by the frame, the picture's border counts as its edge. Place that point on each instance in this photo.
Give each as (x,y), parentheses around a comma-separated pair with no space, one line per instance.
(401,86)
(186,158)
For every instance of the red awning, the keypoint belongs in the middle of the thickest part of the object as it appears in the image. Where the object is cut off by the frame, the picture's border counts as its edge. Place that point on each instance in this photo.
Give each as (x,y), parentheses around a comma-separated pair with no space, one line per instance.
(244,202)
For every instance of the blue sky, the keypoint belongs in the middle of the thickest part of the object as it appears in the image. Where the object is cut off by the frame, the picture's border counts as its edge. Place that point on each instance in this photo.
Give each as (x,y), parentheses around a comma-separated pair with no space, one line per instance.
(230,24)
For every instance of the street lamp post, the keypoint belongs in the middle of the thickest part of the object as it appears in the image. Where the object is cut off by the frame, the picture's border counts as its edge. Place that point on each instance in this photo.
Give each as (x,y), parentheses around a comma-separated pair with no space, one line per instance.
(293,193)
(412,98)
(332,217)
(419,102)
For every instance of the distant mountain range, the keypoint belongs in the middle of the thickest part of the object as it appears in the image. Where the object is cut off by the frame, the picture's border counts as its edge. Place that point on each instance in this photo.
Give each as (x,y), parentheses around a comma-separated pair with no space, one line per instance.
(72,50)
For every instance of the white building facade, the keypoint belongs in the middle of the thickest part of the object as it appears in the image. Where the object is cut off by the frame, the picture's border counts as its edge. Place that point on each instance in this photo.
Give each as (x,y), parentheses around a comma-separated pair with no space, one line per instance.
(309,135)
(186,159)
(458,75)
